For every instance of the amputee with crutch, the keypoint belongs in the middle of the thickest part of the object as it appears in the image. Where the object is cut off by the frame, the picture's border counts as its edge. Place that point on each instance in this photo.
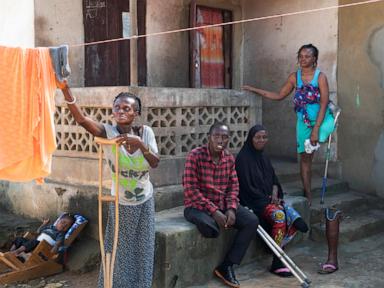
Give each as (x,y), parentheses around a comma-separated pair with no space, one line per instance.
(108,258)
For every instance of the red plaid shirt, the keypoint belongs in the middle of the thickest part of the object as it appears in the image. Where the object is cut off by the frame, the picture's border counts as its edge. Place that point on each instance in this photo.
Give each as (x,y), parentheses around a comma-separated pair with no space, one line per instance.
(209,186)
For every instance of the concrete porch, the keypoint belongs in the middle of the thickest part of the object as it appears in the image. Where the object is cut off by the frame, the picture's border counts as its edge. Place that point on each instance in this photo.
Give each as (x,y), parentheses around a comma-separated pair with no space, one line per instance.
(180,119)
(184,258)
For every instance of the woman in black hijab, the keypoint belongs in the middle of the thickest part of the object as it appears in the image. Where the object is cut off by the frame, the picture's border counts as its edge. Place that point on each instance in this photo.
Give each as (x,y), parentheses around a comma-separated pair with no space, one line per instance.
(261,192)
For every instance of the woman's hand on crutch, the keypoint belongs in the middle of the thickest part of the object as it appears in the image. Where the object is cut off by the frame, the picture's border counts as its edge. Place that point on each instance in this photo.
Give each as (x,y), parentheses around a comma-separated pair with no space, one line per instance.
(93,127)
(130,142)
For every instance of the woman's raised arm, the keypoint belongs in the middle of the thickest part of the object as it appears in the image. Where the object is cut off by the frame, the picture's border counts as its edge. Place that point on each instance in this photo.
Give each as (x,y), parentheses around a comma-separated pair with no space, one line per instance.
(93,127)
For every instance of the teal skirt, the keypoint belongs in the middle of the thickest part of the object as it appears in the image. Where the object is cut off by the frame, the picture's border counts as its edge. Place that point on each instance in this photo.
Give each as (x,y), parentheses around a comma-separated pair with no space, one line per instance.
(303,132)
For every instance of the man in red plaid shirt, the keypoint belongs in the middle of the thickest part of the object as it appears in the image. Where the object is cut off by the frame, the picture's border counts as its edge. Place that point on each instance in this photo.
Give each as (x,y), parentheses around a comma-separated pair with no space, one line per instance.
(211,199)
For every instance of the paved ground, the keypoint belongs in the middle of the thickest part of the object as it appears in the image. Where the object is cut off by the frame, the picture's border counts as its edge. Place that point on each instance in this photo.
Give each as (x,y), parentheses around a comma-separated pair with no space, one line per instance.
(361,266)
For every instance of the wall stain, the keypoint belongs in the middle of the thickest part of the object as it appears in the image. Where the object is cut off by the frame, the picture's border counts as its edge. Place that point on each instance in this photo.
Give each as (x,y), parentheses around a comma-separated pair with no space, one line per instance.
(60,191)
(376,54)
(376,51)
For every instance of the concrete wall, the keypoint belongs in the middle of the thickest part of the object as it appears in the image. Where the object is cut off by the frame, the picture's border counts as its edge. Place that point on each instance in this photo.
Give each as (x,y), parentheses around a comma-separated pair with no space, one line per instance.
(61,22)
(360,79)
(270,48)
(168,55)
(73,183)
(84,164)
(17,23)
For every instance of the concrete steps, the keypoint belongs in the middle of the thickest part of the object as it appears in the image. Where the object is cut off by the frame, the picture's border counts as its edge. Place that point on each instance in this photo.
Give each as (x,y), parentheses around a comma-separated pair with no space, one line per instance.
(334,186)
(287,170)
(353,227)
(349,202)
(167,197)
(184,257)
(363,216)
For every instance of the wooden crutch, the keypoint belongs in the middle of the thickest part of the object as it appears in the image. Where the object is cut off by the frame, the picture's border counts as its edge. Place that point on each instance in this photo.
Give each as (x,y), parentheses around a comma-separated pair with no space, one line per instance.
(108,259)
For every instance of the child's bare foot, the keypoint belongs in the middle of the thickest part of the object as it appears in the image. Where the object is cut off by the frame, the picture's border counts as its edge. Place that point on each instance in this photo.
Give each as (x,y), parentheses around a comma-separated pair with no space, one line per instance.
(18,251)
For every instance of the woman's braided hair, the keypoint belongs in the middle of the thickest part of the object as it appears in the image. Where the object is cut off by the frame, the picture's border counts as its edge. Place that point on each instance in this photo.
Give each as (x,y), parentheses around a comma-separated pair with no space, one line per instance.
(132,96)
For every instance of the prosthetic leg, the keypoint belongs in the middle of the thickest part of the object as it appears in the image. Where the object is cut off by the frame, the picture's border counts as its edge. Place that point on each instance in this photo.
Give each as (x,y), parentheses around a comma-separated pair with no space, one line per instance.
(108,259)
(332,223)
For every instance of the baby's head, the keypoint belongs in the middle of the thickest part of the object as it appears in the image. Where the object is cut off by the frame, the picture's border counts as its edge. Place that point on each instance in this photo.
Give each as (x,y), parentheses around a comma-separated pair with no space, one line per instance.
(65,222)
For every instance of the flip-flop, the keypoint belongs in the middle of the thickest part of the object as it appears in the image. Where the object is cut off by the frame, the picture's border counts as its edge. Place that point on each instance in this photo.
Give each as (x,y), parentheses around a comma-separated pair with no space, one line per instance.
(282,272)
(327,268)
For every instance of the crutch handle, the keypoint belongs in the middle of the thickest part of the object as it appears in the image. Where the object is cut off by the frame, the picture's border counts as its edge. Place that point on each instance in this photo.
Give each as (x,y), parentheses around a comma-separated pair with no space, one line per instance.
(105,141)
(107,198)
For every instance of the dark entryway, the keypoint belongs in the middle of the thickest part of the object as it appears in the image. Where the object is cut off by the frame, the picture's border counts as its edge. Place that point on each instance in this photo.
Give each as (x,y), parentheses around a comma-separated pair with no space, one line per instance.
(108,64)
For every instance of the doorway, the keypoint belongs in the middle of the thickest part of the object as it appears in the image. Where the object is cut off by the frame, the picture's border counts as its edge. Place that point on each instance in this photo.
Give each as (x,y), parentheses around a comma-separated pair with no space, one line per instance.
(108,64)
(210,64)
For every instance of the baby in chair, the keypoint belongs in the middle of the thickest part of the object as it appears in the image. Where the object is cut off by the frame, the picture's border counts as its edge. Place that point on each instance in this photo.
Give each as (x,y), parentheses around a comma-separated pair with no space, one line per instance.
(54,234)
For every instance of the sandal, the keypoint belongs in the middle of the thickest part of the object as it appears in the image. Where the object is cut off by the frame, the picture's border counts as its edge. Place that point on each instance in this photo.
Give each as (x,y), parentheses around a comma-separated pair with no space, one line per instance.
(282,272)
(328,268)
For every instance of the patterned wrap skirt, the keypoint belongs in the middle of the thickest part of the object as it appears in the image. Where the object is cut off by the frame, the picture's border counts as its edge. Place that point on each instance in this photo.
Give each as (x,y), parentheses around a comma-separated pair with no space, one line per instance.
(136,245)
(281,218)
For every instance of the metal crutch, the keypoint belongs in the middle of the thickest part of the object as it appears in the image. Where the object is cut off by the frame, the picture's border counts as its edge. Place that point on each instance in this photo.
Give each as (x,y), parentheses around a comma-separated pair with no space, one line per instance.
(276,249)
(108,259)
(336,111)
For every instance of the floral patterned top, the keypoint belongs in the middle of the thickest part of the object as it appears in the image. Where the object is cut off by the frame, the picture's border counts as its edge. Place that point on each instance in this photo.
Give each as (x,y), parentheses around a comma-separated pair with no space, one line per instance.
(306,93)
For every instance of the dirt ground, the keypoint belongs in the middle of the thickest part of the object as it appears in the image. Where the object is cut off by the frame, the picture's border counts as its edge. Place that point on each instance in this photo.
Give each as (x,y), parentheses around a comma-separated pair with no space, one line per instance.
(361,266)
(65,279)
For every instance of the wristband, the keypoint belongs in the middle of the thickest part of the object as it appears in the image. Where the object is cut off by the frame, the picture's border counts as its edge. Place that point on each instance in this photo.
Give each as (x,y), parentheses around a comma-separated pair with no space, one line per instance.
(71,102)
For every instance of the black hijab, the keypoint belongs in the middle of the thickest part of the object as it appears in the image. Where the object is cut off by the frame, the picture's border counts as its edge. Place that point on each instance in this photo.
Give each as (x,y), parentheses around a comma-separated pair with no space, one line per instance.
(256,175)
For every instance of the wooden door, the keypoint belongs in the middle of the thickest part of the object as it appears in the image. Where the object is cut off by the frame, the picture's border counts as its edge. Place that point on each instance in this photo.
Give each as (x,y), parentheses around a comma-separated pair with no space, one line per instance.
(108,64)
(210,48)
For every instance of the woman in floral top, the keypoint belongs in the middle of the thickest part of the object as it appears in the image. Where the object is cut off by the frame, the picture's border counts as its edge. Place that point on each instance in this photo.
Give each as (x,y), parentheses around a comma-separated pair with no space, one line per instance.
(314,119)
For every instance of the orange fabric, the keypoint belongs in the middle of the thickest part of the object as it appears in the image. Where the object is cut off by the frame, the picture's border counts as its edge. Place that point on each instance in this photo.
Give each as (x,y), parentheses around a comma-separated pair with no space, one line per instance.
(27,132)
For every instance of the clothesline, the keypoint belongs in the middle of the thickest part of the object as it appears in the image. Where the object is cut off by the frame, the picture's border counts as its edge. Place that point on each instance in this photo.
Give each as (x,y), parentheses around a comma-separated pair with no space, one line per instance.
(228,23)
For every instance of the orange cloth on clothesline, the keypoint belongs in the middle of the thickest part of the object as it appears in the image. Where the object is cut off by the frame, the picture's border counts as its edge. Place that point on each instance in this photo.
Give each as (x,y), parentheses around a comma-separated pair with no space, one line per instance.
(27,131)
